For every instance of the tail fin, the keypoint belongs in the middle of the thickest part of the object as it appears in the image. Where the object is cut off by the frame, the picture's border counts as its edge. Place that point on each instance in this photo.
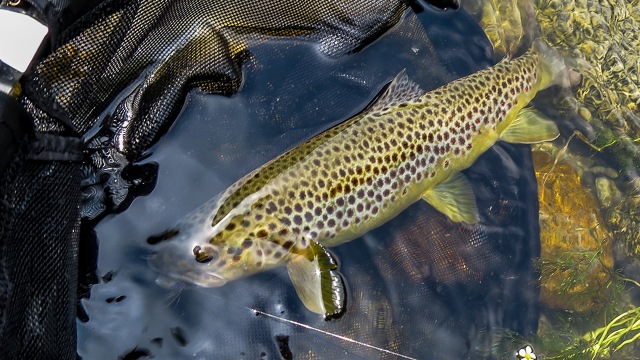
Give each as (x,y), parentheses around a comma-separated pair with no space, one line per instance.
(553,68)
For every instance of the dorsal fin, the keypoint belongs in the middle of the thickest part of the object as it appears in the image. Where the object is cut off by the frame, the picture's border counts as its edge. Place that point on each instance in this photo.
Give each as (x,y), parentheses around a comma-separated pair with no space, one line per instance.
(401,90)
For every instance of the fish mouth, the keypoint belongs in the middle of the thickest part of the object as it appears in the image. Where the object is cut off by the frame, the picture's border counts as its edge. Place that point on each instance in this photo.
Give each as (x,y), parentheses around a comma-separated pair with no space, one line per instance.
(185,270)
(204,279)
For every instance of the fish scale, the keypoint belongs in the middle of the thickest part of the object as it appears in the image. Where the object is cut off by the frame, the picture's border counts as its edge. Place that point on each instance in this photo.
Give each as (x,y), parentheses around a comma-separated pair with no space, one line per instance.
(355,176)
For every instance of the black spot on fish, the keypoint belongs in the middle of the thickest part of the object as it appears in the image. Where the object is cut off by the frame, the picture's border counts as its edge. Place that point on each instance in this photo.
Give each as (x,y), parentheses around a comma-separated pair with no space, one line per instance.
(248,242)
(308,216)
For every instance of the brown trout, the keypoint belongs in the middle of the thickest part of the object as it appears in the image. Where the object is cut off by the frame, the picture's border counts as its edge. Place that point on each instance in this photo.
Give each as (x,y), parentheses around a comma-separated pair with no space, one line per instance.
(406,146)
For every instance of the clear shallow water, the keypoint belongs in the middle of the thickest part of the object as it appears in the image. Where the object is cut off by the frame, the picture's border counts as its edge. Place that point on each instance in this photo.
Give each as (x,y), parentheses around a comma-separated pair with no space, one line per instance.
(418,287)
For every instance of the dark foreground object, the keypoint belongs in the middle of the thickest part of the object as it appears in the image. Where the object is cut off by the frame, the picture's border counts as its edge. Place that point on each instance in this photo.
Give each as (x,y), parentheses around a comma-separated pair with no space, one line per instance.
(39,200)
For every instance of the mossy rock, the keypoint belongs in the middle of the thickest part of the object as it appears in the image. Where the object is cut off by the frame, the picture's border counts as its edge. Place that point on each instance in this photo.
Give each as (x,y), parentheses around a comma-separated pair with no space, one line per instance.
(576,258)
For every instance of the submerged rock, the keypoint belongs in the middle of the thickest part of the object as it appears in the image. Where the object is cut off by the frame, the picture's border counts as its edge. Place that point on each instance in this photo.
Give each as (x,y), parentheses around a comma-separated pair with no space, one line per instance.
(621,210)
(576,258)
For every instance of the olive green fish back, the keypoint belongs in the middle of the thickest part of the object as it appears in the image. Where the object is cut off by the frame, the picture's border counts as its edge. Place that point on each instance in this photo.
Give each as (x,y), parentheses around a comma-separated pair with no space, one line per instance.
(351,173)
(257,179)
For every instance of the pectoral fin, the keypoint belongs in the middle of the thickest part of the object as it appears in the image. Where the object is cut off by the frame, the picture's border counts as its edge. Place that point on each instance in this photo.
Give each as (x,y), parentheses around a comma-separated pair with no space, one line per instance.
(530,127)
(317,282)
(454,197)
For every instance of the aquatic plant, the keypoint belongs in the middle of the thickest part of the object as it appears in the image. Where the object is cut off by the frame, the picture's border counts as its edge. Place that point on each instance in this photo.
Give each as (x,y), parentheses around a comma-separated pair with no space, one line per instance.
(615,339)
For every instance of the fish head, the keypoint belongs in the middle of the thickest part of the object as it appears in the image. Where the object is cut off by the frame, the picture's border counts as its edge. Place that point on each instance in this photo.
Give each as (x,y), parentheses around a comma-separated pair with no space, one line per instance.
(210,256)
(175,258)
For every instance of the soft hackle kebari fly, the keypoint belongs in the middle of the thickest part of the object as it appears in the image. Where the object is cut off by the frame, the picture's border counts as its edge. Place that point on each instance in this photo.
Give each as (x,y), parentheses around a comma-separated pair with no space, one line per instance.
(406,146)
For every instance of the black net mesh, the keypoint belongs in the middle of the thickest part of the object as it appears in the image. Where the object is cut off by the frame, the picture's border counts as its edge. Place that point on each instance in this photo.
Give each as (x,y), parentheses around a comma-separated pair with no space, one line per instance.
(39,233)
(169,46)
(38,240)
(57,14)
(127,66)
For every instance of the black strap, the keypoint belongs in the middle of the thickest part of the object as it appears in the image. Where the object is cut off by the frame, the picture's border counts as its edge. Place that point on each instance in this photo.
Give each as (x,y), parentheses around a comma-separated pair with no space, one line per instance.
(15,126)
(50,147)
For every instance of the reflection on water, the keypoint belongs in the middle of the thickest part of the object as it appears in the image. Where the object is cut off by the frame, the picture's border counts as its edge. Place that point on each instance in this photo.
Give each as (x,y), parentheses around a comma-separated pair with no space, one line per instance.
(418,287)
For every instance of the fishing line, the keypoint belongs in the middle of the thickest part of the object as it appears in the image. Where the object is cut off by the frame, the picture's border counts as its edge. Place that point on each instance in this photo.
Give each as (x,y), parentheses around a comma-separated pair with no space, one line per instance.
(309,327)
(178,286)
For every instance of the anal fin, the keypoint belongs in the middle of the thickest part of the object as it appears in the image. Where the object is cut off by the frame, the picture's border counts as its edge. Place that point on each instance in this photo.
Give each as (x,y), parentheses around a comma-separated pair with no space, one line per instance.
(317,282)
(454,197)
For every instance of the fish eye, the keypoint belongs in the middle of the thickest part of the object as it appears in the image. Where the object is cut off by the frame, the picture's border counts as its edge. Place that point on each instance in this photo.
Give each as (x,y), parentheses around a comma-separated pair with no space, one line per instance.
(203,256)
